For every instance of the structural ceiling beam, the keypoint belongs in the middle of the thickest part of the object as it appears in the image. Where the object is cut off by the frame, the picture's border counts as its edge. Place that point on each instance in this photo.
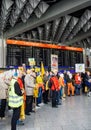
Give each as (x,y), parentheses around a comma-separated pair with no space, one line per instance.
(59,9)
(79,37)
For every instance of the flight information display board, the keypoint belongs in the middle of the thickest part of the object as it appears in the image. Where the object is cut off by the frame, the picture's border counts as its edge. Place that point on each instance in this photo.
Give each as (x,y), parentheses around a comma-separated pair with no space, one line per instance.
(13,55)
(16,55)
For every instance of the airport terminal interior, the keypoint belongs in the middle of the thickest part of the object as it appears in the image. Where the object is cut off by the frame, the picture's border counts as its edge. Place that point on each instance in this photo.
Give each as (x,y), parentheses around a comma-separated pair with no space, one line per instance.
(52,22)
(40,31)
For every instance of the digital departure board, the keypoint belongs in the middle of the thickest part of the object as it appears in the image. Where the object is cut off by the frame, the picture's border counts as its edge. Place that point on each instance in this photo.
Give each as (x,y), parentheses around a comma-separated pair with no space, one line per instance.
(16,55)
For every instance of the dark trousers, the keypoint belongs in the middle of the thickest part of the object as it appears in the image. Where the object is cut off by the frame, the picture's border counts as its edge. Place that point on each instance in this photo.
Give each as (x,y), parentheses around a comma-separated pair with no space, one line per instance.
(29,103)
(77,89)
(39,99)
(54,103)
(15,117)
(57,97)
(3,107)
(45,96)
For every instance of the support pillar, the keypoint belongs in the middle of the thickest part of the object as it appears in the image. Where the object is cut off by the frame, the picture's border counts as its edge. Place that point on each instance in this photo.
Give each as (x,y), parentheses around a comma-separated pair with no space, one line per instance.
(87,57)
(84,57)
(2,52)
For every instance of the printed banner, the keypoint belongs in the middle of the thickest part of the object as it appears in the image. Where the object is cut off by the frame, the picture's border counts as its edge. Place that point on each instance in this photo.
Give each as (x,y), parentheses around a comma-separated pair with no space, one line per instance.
(54,62)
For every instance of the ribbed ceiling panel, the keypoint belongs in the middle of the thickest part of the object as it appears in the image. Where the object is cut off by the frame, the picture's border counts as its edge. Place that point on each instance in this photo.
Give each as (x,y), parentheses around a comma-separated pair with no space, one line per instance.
(55,27)
(82,21)
(62,27)
(69,28)
(47,31)
(40,33)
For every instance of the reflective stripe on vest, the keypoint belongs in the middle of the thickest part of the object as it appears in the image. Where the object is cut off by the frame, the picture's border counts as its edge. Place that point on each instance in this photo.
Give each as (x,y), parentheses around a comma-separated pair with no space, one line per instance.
(15,101)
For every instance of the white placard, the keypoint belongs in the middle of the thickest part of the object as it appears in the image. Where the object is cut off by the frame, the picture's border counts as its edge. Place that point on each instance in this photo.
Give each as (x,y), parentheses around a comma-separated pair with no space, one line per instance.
(31,61)
(79,67)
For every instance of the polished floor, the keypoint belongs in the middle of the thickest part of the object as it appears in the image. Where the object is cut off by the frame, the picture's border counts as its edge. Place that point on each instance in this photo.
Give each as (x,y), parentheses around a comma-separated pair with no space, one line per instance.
(73,114)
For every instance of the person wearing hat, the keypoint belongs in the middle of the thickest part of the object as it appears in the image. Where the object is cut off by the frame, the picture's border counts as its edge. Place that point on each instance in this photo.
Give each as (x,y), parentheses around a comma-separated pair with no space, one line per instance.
(70,87)
(15,100)
(62,85)
(22,112)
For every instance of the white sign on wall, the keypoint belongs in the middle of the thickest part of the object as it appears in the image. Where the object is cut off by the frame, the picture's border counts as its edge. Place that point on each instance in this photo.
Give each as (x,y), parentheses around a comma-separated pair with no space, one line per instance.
(31,61)
(79,67)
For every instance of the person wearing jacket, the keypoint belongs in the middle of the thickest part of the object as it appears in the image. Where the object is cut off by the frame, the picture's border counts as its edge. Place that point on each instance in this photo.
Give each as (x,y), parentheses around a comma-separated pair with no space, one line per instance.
(39,81)
(15,101)
(46,91)
(62,85)
(3,95)
(70,86)
(22,112)
(78,81)
(29,87)
(54,88)
(88,82)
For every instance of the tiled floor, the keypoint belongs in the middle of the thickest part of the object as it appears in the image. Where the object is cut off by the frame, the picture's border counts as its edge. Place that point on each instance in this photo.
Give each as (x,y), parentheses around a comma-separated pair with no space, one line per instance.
(73,114)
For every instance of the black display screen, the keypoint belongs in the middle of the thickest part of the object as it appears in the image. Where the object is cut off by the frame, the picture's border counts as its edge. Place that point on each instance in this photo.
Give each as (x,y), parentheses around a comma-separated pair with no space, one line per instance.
(16,55)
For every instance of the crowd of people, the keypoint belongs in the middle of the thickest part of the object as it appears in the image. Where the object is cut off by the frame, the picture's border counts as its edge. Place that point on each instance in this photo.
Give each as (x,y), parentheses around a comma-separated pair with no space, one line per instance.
(22,90)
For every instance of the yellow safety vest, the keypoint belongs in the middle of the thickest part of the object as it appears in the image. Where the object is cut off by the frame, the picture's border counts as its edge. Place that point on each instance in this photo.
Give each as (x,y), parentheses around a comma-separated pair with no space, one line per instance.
(14,100)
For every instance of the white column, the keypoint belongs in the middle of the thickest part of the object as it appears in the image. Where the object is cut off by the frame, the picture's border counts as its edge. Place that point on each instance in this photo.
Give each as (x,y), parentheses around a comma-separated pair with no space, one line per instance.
(2,53)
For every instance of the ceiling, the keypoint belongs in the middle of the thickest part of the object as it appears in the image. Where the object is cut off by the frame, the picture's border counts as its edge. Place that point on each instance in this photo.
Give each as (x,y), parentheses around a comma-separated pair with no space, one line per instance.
(59,22)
